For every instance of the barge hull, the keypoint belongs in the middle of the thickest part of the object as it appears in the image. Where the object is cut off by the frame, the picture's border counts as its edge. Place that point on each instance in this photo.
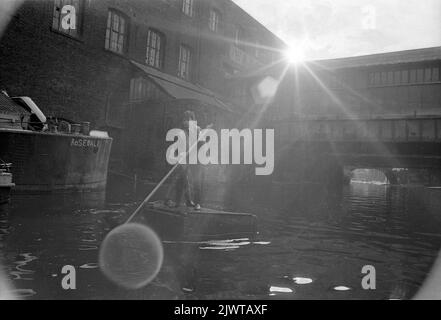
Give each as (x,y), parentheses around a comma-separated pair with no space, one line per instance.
(54,162)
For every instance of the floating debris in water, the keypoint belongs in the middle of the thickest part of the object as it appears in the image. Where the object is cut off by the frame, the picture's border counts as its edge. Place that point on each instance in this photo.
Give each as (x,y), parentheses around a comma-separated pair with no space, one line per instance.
(106,211)
(301,280)
(280,289)
(91,265)
(226,245)
(219,248)
(342,288)
(262,242)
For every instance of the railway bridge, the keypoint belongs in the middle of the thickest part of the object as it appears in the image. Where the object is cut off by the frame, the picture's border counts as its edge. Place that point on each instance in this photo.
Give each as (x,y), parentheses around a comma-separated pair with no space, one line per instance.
(317,149)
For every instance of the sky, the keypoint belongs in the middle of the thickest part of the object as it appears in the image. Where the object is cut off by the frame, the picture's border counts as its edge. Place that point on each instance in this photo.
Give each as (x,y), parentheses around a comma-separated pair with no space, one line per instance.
(325,29)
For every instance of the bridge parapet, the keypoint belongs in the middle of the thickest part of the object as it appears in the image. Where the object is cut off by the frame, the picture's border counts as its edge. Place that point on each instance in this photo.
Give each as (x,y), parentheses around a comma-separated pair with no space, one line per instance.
(387,130)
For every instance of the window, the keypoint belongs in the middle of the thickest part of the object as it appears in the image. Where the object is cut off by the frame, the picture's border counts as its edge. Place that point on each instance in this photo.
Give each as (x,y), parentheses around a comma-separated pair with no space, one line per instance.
(187,7)
(377,78)
(213,22)
(405,76)
(402,77)
(237,35)
(371,79)
(383,78)
(116,32)
(65,19)
(435,74)
(390,78)
(428,75)
(155,49)
(412,76)
(397,77)
(257,51)
(184,62)
(420,75)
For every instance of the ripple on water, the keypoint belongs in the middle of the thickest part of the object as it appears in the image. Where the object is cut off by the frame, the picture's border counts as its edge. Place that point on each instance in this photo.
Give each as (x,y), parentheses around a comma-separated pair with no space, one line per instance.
(225,245)
(86,247)
(220,248)
(22,293)
(19,273)
(88,240)
(91,265)
(107,211)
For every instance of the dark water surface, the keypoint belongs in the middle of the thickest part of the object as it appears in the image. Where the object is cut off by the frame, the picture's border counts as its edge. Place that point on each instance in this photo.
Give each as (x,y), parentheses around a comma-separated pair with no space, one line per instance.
(310,242)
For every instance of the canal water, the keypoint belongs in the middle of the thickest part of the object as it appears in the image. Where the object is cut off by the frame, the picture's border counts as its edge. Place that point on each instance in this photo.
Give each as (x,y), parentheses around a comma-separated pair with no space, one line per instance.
(312,244)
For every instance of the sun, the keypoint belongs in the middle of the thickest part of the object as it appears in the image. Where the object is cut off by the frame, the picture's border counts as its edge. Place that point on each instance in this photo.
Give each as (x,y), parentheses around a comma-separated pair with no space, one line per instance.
(295,54)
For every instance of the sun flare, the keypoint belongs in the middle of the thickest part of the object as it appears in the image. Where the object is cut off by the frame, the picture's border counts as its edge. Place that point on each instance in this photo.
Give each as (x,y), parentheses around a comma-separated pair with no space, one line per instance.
(295,54)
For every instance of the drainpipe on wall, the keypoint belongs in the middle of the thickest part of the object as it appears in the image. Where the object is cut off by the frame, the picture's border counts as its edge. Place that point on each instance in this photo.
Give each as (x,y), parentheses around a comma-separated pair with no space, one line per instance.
(200,25)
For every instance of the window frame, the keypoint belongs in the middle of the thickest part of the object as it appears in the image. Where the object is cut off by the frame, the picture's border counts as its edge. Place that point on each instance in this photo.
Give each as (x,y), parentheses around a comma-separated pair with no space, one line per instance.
(159,52)
(436,74)
(420,75)
(214,20)
(238,34)
(187,8)
(407,76)
(125,34)
(187,63)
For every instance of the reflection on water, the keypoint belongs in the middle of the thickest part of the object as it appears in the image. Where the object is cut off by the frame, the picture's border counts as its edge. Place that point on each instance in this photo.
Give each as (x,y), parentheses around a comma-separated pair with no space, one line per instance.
(23,293)
(20,273)
(342,288)
(313,243)
(302,280)
(274,289)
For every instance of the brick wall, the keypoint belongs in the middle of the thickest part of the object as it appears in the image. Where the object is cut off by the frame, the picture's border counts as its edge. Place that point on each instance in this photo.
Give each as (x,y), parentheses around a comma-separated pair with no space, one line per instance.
(73,78)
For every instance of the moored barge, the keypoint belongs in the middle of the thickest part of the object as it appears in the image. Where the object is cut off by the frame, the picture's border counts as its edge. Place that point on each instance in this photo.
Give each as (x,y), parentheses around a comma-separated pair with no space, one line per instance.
(50,154)
(6,183)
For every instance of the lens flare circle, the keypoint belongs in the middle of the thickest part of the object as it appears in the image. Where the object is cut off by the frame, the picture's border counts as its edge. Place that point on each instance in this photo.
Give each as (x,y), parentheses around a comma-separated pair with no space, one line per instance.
(131,255)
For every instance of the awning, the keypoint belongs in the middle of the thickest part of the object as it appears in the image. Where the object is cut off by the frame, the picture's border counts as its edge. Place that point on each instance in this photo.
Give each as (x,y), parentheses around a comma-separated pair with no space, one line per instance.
(181,89)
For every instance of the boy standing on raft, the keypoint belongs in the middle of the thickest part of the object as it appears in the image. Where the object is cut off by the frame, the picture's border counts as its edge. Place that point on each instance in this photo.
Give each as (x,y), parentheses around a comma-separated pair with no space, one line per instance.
(187,178)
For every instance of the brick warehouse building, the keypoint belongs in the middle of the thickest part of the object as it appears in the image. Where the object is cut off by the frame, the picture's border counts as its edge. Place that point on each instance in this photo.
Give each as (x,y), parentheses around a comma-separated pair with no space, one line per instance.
(131,67)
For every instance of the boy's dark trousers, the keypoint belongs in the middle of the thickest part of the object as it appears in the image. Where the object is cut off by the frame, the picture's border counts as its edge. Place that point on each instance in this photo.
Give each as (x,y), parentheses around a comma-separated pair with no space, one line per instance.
(183,185)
